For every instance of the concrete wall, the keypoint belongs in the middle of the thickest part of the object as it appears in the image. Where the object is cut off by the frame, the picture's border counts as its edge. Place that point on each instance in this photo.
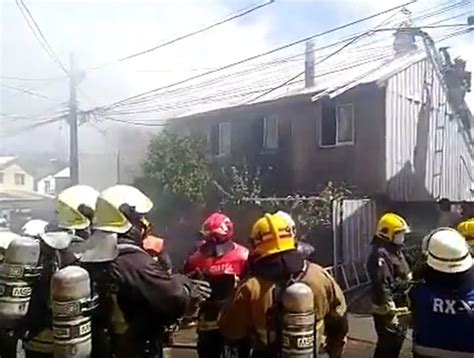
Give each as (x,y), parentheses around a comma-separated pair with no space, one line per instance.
(9,179)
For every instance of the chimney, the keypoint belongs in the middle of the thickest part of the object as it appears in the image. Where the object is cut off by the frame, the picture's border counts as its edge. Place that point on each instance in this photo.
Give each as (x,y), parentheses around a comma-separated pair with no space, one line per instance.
(405,40)
(309,65)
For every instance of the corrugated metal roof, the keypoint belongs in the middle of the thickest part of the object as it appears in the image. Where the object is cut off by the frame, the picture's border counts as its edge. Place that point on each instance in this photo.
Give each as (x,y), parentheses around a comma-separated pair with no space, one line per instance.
(378,71)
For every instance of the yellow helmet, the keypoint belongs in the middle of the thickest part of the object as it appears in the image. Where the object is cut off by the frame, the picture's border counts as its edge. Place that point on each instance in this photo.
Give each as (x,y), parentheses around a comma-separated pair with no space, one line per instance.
(390,225)
(271,234)
(466,228)
(109,215)
(75,207)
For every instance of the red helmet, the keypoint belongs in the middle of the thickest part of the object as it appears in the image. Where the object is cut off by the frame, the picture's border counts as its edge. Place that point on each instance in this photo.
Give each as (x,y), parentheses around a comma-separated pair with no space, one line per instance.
(217,227)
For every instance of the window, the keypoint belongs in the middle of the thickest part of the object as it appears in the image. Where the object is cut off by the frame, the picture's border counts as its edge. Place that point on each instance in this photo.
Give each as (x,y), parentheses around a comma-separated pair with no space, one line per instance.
(219,139)
(270,133)
(337,125)
(47,187)
(1,178)
(19,179)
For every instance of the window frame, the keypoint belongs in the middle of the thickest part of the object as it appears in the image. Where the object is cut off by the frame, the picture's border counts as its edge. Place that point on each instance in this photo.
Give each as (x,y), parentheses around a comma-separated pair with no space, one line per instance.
(219,139)
(22,181)
(265,147)
(337,143)
(2,178)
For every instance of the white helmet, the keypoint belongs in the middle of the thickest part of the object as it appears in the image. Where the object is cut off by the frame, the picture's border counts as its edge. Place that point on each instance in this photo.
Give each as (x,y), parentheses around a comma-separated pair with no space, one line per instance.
(108,214)
(71,203)
(289,220)
(447,251)
(34,228)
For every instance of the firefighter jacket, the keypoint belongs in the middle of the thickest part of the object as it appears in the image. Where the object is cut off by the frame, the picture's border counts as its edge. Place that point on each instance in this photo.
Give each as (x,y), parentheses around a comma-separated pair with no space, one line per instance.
(146,298)
(246,315)
(443,315)
(222,265)
(389,274)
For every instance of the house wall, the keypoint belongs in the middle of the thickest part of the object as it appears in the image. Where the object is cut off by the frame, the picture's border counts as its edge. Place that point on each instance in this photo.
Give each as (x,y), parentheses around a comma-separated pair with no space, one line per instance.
(300,164)
(359,165)
(427,153)
(42,185)
(9,179)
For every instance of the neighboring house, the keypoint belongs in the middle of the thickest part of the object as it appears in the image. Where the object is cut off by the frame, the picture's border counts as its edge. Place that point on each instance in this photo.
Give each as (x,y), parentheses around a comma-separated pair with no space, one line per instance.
(13,176)
(54,184)
(393,128)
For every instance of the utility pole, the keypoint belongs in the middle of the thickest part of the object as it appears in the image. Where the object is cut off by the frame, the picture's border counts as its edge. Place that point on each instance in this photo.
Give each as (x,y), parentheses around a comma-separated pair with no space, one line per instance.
(73,141)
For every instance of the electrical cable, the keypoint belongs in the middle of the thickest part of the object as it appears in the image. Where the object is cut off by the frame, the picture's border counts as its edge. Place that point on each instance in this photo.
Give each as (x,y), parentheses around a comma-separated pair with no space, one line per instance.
(26,91)
(27,15)
(235,16)
(259,55)
(438,12)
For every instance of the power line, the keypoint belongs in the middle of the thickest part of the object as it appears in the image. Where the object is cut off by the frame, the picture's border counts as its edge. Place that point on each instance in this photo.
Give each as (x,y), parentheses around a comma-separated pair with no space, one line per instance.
(193,33)
(26,91)
(31,79)
(118,103)
(41,39)
(230,94)
(33,126)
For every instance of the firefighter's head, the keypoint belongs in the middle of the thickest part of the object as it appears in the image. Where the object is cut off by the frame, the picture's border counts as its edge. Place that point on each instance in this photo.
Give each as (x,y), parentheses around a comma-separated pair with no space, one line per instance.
(218,228)
(271,234)
(121,209)
(447,251)
(75,208)
(392,228)
(466,228)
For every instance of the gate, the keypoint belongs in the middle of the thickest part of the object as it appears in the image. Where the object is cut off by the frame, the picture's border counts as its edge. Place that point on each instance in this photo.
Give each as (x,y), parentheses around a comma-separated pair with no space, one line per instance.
(354,222)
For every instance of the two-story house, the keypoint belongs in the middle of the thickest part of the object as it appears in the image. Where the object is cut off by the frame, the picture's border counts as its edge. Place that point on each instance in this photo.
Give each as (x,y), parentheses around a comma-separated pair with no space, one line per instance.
(390,121)
(392,127)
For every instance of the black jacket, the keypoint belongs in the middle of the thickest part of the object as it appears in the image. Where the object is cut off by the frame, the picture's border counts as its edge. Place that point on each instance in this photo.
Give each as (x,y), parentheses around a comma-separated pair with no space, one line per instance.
(388,270)
(148,297)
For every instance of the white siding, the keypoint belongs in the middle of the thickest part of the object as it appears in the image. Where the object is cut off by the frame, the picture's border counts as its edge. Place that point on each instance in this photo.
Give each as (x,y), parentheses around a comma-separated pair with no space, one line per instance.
(9,182)
(447,170)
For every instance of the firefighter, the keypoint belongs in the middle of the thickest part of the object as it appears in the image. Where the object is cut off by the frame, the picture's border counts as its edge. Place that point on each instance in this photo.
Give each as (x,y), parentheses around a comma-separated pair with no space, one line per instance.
(304,247)
(145,299)
(466,228)
(221,262)
(284,297)
(389,274)
(75,211)
(442,304)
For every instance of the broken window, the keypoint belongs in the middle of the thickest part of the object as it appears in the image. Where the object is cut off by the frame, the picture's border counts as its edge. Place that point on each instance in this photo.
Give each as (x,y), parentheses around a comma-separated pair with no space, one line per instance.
(219,139)
(270,133)
(337,124)
(224,138)
(345,122)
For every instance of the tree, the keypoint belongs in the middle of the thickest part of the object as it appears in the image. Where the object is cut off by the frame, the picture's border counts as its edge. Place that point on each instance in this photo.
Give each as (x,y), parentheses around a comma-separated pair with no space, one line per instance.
(178,164)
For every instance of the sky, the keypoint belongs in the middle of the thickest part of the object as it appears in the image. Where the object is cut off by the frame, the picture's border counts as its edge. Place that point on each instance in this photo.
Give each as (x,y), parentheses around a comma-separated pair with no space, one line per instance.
(99,32)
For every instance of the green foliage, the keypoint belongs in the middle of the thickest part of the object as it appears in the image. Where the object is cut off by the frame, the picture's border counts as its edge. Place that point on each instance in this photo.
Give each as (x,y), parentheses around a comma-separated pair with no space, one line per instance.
(178,176)
(237,183)
(178,164)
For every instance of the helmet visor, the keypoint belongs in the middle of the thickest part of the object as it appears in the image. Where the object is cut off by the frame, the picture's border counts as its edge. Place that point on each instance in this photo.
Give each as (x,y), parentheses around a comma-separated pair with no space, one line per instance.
(69,218)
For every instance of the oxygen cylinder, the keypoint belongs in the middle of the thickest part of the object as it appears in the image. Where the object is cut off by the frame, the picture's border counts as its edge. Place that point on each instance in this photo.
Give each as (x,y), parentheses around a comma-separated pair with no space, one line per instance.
(72,308)
(18,272)
(298,320)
